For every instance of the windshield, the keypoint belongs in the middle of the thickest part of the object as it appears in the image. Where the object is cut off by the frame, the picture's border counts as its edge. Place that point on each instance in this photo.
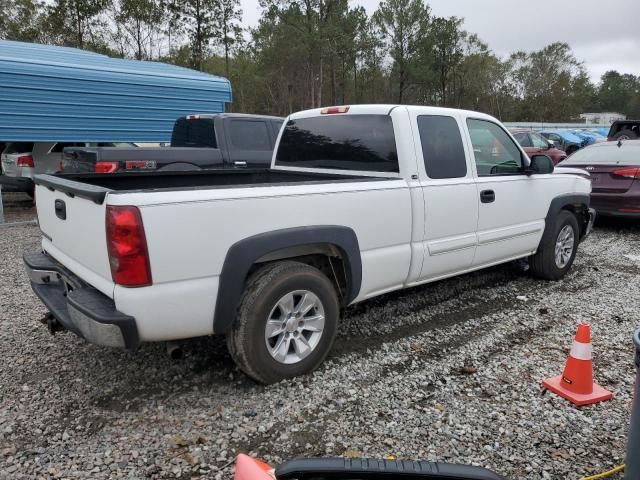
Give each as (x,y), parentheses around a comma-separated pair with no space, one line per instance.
(347,142)
(609,154)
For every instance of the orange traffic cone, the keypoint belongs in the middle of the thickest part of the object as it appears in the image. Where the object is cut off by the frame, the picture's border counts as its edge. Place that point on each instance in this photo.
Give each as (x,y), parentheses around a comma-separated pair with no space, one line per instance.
(576,382)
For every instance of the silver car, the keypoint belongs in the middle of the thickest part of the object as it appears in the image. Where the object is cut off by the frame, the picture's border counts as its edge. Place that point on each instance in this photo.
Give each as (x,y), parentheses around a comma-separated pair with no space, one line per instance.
(21,160)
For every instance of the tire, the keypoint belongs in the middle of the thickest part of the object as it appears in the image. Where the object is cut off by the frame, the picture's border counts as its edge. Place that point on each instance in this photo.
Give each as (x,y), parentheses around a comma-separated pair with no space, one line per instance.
(544,264)
(253,352)
(625,135)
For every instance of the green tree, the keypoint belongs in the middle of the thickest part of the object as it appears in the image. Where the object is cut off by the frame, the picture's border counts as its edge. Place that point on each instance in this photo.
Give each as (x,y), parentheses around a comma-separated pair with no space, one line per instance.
(140,21)
(227,29)
(403,25)
(446,54)
(195,19)
(78,23)
(21,20)
(619,93)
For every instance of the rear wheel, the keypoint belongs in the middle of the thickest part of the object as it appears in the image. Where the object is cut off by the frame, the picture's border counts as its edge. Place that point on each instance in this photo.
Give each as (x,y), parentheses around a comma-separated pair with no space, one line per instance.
(286,322)
(556,254)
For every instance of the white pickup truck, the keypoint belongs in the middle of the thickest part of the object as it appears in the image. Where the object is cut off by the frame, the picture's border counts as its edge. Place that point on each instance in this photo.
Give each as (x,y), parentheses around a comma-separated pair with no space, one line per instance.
(358,201)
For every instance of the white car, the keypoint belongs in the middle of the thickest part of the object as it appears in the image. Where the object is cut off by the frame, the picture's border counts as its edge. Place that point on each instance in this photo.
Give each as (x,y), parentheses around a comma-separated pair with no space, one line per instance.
(359,201)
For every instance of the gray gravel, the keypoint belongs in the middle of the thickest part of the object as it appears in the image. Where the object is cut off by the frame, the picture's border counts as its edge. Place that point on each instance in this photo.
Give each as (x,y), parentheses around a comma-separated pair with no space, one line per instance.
(446,372)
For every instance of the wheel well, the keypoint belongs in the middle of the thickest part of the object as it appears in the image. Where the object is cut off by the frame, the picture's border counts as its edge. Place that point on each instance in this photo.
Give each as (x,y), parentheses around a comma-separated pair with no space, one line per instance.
(328,258)
(581,213)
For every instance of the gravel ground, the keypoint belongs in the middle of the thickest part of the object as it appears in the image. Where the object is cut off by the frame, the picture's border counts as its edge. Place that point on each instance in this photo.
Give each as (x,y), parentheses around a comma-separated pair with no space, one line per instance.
(446,372)
(18,207)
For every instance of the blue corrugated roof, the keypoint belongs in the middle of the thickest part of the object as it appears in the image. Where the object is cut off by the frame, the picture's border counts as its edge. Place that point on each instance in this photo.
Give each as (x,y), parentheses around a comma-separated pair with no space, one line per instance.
(50,93)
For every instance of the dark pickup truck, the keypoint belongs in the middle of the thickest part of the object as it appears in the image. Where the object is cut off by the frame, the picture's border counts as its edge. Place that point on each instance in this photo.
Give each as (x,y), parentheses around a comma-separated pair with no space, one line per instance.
(197,142)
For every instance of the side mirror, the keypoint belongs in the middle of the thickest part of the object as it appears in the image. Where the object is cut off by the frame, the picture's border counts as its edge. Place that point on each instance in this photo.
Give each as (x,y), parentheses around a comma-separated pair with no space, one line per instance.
(540,164)
(550,144)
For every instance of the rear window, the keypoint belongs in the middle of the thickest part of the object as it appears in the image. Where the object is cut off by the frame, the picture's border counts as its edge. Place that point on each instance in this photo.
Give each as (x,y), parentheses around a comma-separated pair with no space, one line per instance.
(199,133)
(609,154)
(250,135)
(442,147)
(346,142)
(19,147)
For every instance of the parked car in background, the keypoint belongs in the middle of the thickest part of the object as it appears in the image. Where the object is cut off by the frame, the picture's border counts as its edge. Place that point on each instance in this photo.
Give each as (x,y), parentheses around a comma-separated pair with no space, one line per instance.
(615,176)
(197,142)
(624,130)
(603,132)
(534,144)
(564,140)
(588,137)
(268,257)
(22,160)
(17,167)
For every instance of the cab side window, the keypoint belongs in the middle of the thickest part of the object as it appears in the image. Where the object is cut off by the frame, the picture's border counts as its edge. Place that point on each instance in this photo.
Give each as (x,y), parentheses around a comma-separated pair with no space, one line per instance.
(442,147)
(494,151)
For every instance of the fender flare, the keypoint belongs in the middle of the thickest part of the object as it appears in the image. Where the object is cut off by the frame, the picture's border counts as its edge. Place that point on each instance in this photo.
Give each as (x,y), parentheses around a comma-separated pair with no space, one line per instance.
(559,203)
(243,255)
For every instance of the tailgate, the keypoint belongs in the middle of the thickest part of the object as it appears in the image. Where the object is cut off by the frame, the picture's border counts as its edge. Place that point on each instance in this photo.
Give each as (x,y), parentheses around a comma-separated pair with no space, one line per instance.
(71,216)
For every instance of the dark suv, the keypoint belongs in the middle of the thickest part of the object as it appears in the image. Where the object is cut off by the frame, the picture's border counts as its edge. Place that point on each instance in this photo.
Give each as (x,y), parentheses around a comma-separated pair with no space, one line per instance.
(624,130)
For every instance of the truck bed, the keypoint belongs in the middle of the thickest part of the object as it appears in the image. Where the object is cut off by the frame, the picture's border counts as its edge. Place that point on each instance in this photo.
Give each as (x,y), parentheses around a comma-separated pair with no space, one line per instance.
(83,159)
(95,186)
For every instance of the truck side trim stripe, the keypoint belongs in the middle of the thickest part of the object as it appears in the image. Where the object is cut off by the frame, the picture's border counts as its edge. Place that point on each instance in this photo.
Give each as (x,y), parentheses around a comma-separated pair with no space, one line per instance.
(243,254)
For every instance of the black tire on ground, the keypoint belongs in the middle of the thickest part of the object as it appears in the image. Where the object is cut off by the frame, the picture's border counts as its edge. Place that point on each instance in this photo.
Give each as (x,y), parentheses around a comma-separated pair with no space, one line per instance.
(625,135)
(543,263)
(246,340)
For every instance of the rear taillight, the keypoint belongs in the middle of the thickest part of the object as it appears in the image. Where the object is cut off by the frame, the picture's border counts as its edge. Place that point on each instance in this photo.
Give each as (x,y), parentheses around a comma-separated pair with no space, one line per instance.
(25,161)
(107,167)
(127,247)
(627,172)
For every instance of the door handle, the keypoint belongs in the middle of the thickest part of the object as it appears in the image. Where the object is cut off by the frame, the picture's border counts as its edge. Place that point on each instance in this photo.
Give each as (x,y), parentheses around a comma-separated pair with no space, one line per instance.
(487,196)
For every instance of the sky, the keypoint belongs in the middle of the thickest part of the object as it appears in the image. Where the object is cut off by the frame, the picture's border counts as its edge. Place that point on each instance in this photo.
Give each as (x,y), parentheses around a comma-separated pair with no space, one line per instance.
(602,36)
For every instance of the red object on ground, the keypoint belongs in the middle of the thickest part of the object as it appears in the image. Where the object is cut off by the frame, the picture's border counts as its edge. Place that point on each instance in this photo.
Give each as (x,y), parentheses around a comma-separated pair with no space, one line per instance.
(576,382)
(248,468)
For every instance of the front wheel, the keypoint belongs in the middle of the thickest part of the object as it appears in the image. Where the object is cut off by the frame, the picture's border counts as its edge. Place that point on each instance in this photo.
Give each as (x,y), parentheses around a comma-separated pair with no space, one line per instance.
(286,322)
(556,253)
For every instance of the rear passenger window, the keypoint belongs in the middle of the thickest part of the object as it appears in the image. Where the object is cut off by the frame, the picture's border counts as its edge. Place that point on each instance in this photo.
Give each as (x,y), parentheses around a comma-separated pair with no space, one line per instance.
(442,147)
(250,135)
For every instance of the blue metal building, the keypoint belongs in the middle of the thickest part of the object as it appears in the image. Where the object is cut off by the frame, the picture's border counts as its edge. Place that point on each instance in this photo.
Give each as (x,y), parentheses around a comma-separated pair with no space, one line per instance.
(50,93)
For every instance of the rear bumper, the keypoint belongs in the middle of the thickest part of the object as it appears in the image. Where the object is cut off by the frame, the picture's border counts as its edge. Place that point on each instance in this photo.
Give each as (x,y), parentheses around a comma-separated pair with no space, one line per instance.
(78,307)
(618,205)
(16,184)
